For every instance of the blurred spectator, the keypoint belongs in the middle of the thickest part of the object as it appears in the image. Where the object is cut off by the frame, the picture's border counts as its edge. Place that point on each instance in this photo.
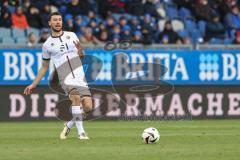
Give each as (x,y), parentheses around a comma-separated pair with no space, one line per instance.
(168,35)
(93,25)
(122,21)
(32,39)
(135,7)
(226,5)
(88,37)
(19,19)
(137,37)
(44,15)
(101,28)
(232,19)
(203,10)
(214,28)
(126,33)
(237,38)
(77,7)
(188,4)
(5,18)
(44,35)
(116,29)
(92,15)
(117,6)
(26,5)
(33,17)
(147,30)
(110,23)
(103,36)
(116,38)
(79,25)
(41,3)
(134,23)
(74,8)
(150,8)
(69,23)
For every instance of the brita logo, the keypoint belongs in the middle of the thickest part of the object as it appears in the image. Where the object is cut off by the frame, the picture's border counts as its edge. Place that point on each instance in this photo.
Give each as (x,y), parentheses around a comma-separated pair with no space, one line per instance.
(209,67)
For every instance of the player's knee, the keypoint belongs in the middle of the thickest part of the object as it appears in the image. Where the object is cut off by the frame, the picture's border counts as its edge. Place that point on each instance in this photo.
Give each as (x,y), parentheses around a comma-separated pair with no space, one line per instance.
(87,107)
(76,100)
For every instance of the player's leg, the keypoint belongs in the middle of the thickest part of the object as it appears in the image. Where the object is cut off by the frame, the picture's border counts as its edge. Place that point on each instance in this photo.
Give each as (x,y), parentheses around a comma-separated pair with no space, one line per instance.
(77,111)
(68,125)
(87,103)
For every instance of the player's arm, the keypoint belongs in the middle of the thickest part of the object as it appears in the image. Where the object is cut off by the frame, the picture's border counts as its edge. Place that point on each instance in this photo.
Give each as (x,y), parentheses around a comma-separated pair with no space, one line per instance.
(78,46)
(41,73)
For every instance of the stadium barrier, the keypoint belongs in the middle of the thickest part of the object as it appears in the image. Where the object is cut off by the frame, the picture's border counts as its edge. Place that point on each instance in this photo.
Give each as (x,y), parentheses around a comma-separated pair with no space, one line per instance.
(197,84)
(184,103)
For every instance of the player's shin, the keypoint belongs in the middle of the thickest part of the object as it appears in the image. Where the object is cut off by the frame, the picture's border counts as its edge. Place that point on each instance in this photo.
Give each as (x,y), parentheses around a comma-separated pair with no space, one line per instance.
(77,112)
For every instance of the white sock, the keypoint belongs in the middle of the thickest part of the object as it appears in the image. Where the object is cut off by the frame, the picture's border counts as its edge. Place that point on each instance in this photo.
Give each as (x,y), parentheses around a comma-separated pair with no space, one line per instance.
(77,115)
(70,124)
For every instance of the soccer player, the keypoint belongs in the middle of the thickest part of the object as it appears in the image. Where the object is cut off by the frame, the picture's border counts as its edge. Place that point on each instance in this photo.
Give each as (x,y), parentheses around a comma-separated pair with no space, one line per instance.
(66,52)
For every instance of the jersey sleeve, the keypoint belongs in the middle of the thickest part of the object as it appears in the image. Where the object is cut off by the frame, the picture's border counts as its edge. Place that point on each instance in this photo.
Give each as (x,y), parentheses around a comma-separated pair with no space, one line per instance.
(75,37)
(45,53)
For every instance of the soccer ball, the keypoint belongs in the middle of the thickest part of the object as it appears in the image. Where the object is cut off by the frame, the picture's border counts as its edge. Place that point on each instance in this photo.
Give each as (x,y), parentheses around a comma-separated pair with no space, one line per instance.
(150,135)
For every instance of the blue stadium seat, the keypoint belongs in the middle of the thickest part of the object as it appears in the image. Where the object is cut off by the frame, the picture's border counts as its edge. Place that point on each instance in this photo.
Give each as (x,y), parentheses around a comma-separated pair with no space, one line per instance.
(216,41)
(190,24)
(34,30)
(196,35)
(18,32)
(172,11)
(5,32)
(21,40)
(8,40)
(228,41)
(184,13)
(183,33)
(202,27)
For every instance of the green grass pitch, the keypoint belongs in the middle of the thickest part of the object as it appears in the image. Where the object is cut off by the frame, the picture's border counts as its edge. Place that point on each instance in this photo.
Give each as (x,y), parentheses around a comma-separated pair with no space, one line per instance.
(121,140)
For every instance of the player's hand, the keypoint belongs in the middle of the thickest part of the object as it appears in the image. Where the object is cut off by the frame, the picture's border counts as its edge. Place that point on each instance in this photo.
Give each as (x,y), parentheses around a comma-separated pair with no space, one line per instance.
(28,90)
(79,48)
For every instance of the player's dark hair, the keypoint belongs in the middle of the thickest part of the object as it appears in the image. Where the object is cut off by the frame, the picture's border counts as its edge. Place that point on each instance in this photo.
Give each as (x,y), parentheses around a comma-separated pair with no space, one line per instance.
(54,14)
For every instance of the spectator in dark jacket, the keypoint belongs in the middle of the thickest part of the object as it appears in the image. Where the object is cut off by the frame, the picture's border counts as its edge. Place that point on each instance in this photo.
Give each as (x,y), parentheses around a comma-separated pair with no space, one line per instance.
(203,10)
(232,19)
(150,8)
(44,16)
(134,23)
(33,17)
(135,7)
(44,35)
(214,28)
(185,4)
(168,35)
(77,7)
(5,18)
(126,33)
(147,30)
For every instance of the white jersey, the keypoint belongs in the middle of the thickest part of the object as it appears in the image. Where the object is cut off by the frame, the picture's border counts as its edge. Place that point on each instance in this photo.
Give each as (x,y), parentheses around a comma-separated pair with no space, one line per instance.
(64,55)
(60,49)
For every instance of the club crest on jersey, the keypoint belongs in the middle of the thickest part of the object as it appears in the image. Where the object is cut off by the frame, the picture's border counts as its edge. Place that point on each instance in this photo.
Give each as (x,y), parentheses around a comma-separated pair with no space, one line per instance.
(68,37)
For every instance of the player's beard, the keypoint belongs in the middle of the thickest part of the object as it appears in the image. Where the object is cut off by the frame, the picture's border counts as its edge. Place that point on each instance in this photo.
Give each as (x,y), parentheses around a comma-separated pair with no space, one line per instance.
(56,30)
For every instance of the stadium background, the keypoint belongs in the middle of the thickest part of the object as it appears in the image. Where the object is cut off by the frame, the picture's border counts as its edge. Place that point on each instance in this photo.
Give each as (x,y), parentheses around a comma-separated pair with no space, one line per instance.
(200,53)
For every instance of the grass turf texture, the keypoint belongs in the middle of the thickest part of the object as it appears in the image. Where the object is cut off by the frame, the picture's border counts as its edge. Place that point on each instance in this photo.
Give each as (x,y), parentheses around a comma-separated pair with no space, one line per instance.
(115,140)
